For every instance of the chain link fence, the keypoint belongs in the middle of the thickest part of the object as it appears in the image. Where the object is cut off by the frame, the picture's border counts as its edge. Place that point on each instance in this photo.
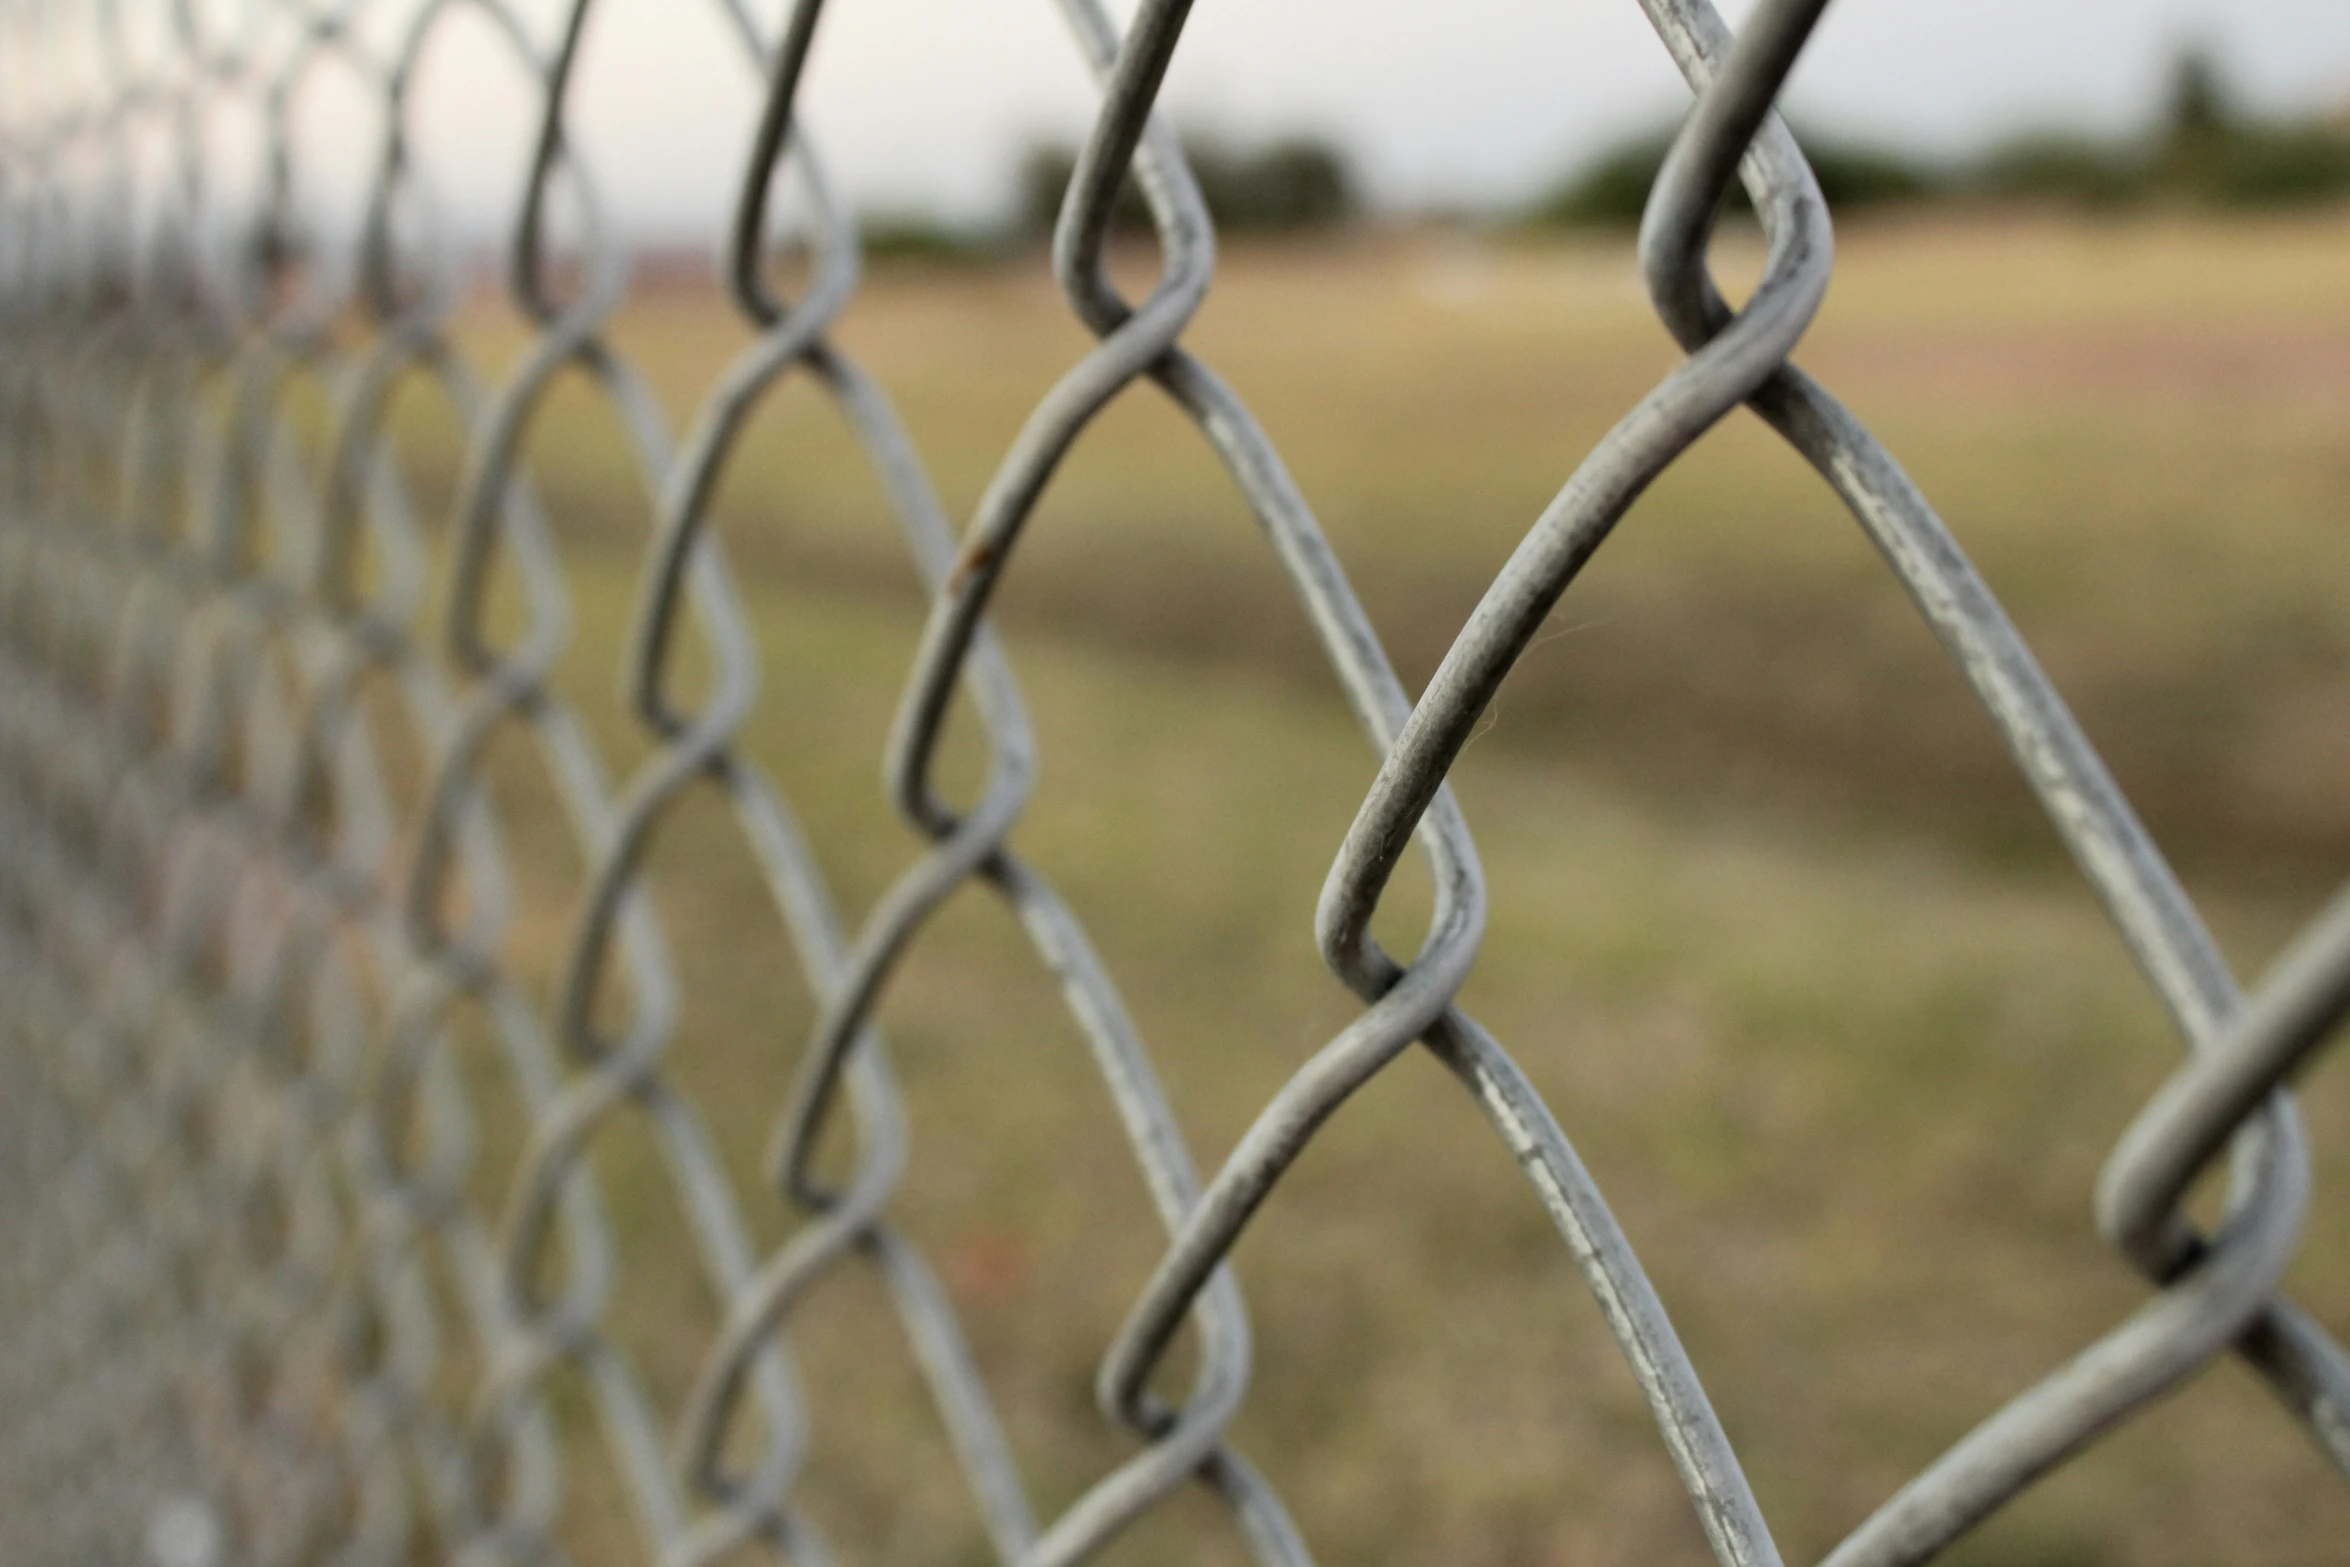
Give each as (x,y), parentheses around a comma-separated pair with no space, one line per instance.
(253,1310)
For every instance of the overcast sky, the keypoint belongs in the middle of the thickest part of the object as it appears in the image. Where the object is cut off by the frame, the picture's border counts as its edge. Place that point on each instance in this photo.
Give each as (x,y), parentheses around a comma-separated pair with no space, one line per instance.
(926,104)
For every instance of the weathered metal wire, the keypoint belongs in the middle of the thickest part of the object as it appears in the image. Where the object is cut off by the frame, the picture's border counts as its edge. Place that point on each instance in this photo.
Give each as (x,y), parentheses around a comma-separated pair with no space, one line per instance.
(253,1307)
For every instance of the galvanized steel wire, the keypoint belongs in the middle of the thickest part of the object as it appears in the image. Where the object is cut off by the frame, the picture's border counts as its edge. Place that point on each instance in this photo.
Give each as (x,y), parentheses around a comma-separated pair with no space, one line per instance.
(238,1146)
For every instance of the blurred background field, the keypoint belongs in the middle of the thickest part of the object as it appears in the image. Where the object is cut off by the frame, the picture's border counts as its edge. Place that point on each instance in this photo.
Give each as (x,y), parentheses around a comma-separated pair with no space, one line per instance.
(1775,928)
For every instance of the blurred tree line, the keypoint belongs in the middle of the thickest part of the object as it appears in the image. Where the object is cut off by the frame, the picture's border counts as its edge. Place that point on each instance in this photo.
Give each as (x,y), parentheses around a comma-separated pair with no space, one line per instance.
(1298,184)
(2204,152)
(1288,186)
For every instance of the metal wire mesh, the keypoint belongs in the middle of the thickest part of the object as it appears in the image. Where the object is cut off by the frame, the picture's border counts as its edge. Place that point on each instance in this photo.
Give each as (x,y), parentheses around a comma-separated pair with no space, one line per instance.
(252,1309)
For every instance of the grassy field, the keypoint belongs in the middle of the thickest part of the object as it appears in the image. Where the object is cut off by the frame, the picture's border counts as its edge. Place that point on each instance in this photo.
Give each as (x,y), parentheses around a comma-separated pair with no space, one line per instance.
(2136,431)
(1773,926)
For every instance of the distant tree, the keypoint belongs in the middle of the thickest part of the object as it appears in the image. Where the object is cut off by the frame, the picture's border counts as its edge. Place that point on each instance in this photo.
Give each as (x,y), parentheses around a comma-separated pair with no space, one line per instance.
(1853,175)
(1296,184)
(1299,183)
(2199,107)
(2192,145)
(916,238)
(1613,192)
(1045,171)
(2210,154)
(2061,166)
(2291,166)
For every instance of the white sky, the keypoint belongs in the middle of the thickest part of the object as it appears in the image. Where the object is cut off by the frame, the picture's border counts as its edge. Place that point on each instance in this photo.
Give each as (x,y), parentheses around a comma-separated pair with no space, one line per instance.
(926,104)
